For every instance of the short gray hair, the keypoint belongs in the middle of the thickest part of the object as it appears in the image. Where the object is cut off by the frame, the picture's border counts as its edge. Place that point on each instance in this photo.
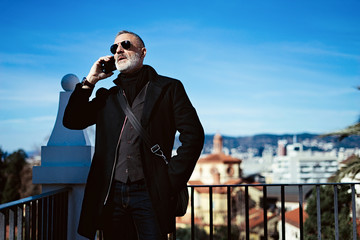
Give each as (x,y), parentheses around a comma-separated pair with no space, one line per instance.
(132,33)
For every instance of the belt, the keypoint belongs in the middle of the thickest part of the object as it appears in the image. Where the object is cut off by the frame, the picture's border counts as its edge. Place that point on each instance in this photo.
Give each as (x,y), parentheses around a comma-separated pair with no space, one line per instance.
(141,181)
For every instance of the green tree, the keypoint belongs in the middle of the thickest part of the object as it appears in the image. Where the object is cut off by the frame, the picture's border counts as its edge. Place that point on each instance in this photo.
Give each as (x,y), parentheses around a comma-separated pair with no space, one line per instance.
(14,165)
(27,187)
(327,214)
(221,232)
(185,233)
(2,172)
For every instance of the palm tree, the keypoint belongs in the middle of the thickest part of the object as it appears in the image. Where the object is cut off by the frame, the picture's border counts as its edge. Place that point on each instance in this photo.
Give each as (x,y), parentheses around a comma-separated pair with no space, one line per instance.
(353,130)
(352,167)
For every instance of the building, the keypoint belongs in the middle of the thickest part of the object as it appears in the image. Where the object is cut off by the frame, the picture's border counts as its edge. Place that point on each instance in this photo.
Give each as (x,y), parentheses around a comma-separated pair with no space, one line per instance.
(218,169)
(215,169)
(292,224)
(296,165)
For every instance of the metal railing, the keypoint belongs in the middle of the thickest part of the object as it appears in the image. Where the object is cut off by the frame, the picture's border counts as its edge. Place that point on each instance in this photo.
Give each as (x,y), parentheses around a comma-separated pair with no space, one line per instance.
(266,197)
(44,216)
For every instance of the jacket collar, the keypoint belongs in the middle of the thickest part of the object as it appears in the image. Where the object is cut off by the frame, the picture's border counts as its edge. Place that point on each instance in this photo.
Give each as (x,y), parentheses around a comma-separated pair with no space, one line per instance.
(153,92)
(152,95)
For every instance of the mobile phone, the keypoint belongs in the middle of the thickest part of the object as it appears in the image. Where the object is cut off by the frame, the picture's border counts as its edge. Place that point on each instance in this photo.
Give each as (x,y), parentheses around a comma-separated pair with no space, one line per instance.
(108,66)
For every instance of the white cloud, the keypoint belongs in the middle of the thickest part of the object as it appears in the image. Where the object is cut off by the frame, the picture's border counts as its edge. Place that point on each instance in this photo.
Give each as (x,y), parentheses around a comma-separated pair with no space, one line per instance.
(31,120)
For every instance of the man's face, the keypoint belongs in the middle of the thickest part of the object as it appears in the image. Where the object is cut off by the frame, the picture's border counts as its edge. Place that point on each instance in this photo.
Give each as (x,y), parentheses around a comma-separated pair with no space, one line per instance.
(129,60)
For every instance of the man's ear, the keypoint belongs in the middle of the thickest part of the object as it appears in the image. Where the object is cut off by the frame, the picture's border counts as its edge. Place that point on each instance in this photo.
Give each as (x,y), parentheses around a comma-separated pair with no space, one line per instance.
(143,52)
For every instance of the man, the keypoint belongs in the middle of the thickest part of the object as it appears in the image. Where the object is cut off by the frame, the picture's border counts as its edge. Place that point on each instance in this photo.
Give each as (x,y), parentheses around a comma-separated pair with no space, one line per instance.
(130,192)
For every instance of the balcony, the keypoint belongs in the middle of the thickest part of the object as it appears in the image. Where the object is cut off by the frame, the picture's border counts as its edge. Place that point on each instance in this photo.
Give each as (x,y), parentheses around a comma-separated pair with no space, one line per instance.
(241,211)
(229,210)
(39,217)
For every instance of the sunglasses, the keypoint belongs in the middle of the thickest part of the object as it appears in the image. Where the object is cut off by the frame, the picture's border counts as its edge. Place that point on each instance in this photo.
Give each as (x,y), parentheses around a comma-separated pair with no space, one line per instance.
(124,44)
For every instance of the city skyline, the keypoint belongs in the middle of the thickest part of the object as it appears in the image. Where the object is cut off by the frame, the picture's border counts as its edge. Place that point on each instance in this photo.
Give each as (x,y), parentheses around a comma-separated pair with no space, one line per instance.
(248,67)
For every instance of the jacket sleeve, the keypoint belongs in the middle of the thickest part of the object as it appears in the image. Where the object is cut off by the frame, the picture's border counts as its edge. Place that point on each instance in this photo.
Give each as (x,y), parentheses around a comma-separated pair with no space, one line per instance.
(80,112)
(191,137)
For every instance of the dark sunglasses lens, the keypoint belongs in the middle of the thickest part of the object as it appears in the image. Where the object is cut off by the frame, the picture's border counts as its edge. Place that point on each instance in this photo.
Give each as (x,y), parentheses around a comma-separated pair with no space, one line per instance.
(113,48)
(126,44)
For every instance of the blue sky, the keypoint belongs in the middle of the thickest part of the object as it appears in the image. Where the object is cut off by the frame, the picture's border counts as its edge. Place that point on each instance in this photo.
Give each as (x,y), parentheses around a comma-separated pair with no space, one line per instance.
(249,67)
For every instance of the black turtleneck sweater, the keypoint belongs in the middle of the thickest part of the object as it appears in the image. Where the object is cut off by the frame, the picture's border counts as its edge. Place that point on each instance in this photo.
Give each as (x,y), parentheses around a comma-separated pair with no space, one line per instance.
(133,83)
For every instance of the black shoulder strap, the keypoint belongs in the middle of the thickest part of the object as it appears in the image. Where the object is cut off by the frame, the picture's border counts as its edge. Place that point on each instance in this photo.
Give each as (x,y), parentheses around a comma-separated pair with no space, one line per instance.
(137,125)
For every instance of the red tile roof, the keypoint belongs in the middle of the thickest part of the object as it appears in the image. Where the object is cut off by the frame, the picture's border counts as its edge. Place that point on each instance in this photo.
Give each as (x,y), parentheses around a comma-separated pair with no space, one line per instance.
(195,182)
(233,181)
(350,159)
(256,217)
(219,190)
(293,217)
(219,157)
(186,219)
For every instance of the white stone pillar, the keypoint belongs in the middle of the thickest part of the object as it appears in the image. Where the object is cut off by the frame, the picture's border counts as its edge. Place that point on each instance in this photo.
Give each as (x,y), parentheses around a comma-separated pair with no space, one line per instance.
(65,161)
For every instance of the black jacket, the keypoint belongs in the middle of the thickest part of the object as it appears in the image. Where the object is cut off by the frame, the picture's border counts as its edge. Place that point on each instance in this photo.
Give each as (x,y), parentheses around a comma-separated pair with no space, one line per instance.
(167,109)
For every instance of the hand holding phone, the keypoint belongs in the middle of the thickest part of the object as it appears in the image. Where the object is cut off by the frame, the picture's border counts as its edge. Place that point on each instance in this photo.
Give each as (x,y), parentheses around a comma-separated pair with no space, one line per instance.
(101,69)
(108,66)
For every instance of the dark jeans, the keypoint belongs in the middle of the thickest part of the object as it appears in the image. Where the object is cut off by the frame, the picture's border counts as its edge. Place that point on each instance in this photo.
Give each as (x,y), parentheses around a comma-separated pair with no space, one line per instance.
(129,214)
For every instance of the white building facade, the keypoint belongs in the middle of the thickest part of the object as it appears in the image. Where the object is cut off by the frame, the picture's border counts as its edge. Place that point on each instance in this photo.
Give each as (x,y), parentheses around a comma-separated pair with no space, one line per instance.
(299,166)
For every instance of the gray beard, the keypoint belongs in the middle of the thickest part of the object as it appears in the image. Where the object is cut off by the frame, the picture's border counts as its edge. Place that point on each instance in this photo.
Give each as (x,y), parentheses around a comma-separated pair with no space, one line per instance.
(130,63)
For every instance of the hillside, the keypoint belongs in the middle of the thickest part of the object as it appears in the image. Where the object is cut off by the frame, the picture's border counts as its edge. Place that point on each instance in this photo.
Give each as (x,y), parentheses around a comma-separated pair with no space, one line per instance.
(259,141)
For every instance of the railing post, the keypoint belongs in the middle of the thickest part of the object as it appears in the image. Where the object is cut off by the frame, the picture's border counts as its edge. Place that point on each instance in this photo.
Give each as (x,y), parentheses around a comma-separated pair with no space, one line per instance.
(247,217)
(2,226)
(301,208)
(283,212)
(11,224)
(211,213)
(65,161)
(229,205)
(192,214)
(318,211)
(27,221)
(336,212)
(19,213)
(265,212)
(353,206)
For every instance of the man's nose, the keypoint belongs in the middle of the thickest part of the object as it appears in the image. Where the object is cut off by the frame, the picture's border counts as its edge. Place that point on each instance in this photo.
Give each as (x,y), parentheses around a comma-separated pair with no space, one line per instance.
(119,48)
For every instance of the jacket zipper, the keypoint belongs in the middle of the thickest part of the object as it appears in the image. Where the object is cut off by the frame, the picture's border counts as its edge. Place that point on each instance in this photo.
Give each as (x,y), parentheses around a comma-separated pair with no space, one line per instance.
(115,160)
